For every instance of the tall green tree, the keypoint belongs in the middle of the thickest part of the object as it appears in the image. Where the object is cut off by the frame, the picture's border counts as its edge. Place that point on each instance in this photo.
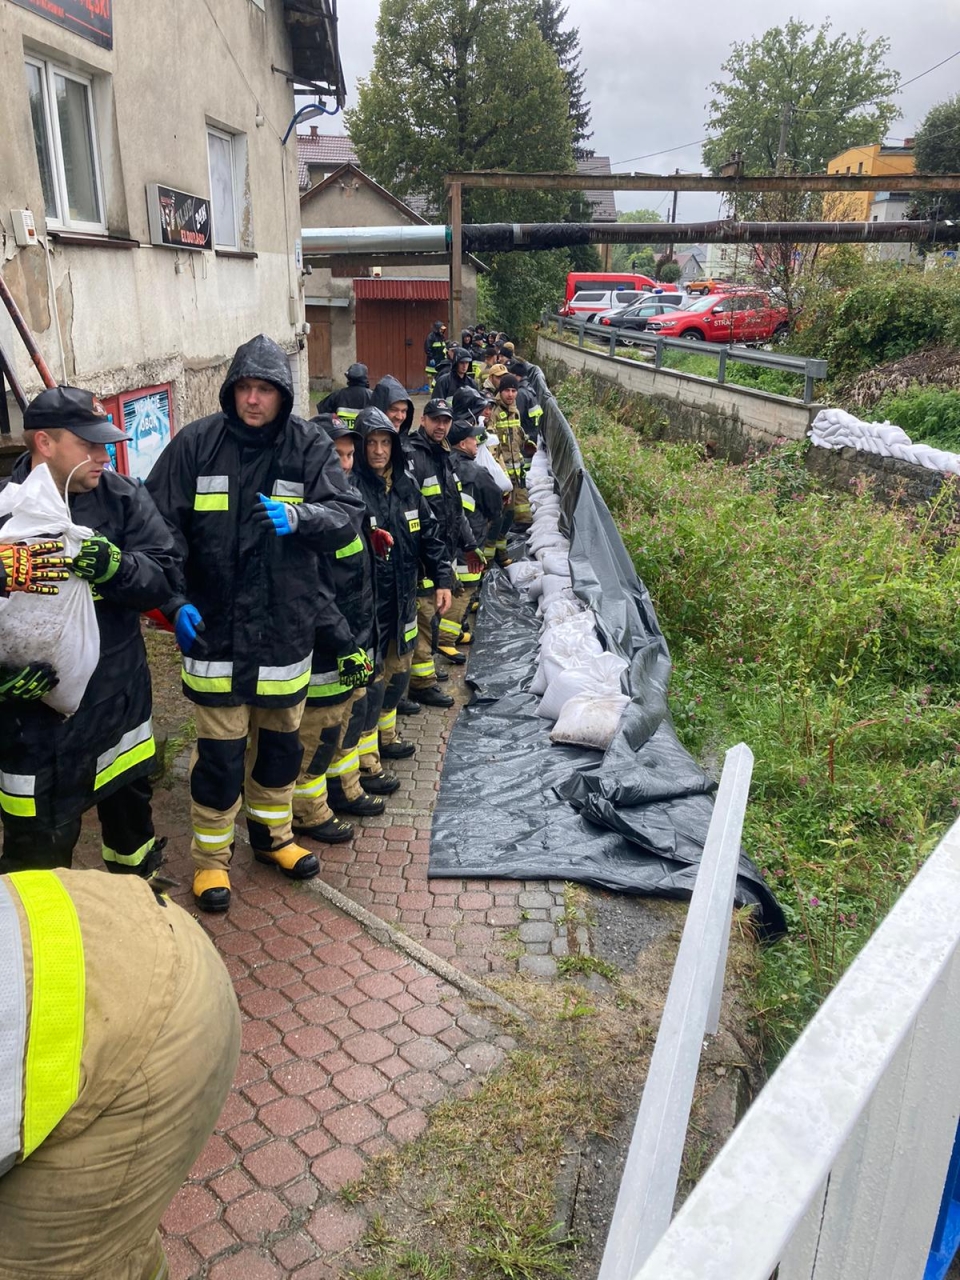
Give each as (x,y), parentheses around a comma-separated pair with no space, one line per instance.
(790,100)
(469,84)
(832,93)
(937,150)
(550,15)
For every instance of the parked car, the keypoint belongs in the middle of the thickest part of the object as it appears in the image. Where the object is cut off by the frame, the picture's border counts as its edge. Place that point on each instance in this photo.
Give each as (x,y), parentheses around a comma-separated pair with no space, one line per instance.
(589,302)
(609,280)
(635,318)
(748,316)
(618,307)
(709,284)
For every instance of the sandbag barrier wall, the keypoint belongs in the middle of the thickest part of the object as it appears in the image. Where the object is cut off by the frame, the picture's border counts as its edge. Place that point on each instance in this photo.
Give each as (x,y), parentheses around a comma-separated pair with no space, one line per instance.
(637,815)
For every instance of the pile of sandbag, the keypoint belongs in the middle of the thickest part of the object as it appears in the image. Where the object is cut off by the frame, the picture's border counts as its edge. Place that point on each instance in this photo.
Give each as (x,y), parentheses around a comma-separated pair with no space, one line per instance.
(578,683)
(836,429)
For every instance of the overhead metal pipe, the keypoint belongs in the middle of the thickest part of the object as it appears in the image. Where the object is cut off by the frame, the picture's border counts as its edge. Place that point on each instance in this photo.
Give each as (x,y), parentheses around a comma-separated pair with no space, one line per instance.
(327,240)
(500,237)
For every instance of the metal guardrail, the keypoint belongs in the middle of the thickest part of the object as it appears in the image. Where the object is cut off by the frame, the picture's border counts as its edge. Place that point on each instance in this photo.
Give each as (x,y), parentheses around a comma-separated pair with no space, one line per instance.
(692,1009)
(836,1171)
(807,367)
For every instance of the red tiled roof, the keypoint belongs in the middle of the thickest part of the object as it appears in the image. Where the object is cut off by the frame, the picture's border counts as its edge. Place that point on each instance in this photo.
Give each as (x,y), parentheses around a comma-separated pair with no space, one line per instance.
(407,290)
(328,149)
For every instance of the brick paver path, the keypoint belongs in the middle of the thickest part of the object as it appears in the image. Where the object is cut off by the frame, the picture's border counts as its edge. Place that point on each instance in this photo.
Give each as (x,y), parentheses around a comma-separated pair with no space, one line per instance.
(347,1041)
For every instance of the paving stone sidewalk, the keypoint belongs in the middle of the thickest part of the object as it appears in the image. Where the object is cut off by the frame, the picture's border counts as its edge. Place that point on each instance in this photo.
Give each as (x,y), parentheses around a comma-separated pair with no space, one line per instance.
(347,1040)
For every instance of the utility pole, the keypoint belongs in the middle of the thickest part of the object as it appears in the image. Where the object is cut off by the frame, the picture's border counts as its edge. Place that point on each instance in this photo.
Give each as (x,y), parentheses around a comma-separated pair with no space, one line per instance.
(673,218)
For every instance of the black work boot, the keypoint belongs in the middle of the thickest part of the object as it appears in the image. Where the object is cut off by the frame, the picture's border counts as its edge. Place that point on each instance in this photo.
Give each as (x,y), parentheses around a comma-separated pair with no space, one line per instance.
(407,707)
(379,784)
(432,696)
(363,806)
(333,831)
(398,749)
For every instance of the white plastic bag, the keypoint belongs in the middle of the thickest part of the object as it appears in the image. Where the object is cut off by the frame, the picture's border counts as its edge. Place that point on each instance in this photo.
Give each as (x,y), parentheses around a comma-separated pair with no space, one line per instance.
(589,721)
(60,629)
(522,572)
(557,562)
(489,463)
(558,611)
(553,584)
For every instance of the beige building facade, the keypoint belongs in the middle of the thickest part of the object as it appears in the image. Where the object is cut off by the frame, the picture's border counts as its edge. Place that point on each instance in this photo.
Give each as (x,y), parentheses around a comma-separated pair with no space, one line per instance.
(144,144)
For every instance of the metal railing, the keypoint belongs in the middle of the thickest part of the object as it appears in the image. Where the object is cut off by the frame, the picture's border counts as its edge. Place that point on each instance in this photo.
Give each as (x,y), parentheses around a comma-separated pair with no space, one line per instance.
(649,1183)
(836,1171)
(807,367)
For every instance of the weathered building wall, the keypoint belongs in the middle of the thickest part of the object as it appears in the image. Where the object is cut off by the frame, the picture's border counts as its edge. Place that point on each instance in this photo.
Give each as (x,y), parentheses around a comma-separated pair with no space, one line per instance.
(116,316)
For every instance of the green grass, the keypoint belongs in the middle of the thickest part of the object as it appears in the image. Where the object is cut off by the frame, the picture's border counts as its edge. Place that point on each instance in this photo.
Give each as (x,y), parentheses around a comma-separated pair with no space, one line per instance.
(820,629)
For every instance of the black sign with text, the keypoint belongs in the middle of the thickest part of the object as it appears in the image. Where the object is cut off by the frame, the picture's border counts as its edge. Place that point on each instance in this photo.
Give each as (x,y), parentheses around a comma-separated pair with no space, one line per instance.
(178,219)
(92,19)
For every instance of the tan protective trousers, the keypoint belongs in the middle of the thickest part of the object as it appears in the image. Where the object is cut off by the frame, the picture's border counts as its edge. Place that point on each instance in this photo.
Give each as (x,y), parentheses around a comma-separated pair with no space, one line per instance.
(423,672)
(253,750)
(160,1047)
(321,732)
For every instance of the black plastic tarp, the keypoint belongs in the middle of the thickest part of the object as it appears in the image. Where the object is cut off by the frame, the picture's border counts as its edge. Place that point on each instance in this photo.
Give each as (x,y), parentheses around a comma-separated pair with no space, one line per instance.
(513,805)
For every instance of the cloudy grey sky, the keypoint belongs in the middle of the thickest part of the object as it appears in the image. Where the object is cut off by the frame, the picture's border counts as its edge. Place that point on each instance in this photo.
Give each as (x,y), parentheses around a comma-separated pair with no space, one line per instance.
(645,100)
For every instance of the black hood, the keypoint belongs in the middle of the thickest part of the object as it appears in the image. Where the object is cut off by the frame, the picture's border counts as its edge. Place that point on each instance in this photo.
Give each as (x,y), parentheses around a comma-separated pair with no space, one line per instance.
(259,358)
(358,375)
(373,419)
(520,368)
(468,402)
(387,392)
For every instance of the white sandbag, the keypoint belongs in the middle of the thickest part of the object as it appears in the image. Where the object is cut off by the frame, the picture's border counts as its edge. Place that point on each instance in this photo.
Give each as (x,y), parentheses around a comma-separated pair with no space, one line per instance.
(534,588)
(600,678)
(589,721)
(489,463)
(61,629)
(558,611)
(553,584)
(558,563)
(522,572)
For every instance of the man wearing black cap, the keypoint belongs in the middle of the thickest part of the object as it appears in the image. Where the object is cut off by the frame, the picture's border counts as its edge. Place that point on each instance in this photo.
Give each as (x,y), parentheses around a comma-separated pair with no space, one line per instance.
(431,465)
(52,769)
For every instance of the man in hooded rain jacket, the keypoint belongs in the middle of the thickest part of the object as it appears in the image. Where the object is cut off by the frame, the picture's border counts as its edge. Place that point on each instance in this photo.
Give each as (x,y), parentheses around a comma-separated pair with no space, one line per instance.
(390,396)
(349,400)
(253,494)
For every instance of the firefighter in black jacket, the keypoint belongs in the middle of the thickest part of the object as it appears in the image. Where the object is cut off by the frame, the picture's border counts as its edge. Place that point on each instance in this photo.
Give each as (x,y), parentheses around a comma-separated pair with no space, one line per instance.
(435,350)
(395,504)
(53,769)
(431,465)
(459,376)
(349,400)
(252,494)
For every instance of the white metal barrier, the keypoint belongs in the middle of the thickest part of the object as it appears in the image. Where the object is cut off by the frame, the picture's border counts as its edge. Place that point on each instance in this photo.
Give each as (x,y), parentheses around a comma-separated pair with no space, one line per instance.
(692,1009)
(837,1170)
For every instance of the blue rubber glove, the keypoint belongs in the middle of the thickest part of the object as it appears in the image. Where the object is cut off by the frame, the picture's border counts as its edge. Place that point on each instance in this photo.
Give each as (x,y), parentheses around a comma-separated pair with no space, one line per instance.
(186,625)
(280,516)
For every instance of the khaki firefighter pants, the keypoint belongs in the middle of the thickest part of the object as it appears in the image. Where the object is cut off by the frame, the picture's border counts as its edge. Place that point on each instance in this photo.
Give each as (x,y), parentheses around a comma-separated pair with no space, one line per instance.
(396,679)
(321,732)
(255,750)
(423,672)
(160,1047)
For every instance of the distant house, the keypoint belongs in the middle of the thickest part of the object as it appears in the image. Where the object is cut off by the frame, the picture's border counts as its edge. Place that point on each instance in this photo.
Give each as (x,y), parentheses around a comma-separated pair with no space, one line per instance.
(854,206)
(373,308)
(691,263)
(603,202)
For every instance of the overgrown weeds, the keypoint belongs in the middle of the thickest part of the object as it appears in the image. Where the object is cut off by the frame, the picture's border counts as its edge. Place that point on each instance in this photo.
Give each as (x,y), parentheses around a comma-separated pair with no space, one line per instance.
(820,628)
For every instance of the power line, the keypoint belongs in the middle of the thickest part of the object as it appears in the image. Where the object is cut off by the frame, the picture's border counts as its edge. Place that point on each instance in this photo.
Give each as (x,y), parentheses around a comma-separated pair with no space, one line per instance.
(665,152)
(929,69)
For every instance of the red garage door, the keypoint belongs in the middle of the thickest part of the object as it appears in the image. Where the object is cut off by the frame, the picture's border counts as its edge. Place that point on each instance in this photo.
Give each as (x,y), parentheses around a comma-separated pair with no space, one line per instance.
(391,329)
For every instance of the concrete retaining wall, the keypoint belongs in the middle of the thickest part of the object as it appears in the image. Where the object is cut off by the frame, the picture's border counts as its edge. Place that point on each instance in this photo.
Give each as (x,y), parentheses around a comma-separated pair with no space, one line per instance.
(732,421)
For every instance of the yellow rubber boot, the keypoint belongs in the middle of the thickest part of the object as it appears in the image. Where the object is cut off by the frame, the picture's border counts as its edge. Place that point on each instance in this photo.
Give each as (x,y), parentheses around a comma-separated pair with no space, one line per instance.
(293,860)
(211,890)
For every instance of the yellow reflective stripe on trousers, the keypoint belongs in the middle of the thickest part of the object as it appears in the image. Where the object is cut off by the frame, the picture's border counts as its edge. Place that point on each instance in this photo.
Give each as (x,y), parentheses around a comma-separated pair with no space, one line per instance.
(133,748)
(17,793)
(368,743)
(213,839)
(351,549)
(271,815)
(347,764)
(279,681)
(52,1077)
(387,721)
(315,787)
(128,859)
(423,670)
(448,627)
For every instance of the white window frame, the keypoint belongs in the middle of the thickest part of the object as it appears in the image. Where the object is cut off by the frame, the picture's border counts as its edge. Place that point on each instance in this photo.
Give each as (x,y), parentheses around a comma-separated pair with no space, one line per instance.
(63,221)
(231,139)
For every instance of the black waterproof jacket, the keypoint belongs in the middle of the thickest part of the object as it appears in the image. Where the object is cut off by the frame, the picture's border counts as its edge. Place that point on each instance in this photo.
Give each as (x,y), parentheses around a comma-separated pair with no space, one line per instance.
(482,500)
(450,382)
(387,392)
(108,741)
(349,400)
(346,603)
(256,592)
(418,548)
(431,466)
(528,405)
